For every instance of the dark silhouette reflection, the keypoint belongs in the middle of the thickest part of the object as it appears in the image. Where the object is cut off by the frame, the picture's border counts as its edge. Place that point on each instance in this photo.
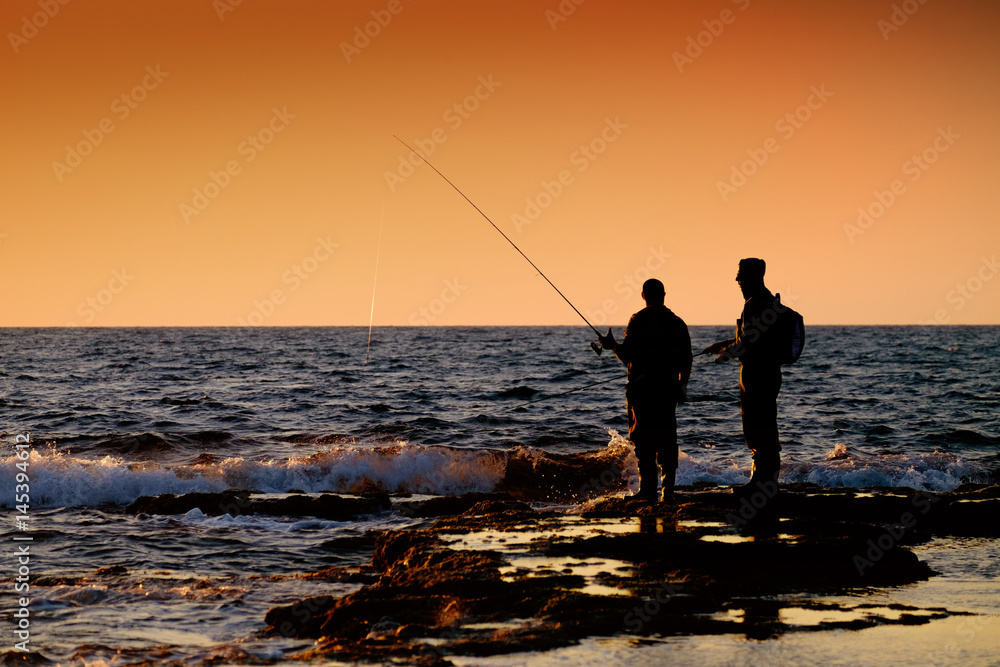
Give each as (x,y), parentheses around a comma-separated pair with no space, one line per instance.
(657,524)
(762,619)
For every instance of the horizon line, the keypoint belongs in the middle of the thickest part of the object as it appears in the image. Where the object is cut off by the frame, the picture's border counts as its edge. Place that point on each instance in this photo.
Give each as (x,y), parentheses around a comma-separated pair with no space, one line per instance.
(430,326)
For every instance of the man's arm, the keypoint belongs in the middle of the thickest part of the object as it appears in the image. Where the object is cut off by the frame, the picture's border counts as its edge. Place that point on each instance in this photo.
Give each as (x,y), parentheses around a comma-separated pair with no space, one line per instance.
(729,348)
(716,348)
(688,359)
(622,350)
(607,342)
(750,329)
(684,364)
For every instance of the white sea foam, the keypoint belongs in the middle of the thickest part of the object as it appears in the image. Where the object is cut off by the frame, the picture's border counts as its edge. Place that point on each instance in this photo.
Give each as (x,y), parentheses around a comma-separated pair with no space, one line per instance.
(62,480)
(843,467)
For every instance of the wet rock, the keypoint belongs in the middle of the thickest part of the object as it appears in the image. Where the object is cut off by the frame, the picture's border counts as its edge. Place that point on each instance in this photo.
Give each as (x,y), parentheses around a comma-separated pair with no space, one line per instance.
(24,658)
(832,511)
(48,582)
(166,400)
(356,614)
(347,575)
(380,650)
(236,503)
(448,505)
(680,569)
(758,567)
(474,520)
(113,571)
(564,477)
(487,507)
(391,545)
(444,571)
(212,504)
(326,506)
(302,619)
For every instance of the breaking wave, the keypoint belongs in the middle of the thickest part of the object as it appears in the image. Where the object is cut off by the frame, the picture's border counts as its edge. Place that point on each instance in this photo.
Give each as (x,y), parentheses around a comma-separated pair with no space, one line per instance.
(60,479)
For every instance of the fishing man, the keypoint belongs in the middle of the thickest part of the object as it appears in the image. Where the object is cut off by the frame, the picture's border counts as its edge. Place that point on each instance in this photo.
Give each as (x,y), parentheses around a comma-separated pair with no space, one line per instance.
(757,346)
(656,348)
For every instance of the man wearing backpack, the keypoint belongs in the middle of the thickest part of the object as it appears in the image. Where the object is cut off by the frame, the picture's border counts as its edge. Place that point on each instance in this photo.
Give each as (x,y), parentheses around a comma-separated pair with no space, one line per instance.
(759,347)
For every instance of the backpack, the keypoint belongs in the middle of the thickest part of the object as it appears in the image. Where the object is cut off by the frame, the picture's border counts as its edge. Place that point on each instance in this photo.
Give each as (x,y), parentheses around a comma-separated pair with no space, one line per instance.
(791,332)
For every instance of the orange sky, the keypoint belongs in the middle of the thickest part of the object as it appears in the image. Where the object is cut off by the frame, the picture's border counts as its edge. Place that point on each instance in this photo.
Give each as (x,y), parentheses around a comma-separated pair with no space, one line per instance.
(644,141)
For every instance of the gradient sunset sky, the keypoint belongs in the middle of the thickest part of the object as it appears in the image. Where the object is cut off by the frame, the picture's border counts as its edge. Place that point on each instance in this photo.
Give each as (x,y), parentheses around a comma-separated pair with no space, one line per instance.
(190,162)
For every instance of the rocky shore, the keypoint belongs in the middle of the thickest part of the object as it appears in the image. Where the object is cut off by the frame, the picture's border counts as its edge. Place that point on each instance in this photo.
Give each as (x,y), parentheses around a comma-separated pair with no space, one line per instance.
(489,574)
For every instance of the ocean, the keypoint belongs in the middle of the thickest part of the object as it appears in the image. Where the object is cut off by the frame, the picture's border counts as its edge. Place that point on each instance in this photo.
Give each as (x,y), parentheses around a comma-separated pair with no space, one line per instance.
(118,413)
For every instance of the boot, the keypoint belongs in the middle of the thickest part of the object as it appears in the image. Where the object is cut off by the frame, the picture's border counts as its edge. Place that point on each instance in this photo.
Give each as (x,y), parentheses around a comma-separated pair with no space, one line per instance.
(647,482)
(766,467)
(763,476)
(667,476)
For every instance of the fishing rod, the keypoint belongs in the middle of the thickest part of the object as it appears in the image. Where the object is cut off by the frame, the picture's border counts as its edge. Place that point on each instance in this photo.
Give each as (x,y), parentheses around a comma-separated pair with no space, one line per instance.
(378,251)
(596,347)
(586,386)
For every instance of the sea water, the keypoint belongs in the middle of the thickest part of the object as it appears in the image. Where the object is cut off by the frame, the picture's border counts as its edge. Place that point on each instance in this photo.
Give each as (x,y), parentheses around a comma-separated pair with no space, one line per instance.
(115,414)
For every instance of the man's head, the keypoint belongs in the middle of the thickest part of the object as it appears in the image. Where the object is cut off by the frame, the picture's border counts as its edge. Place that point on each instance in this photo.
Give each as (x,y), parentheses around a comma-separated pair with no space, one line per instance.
(751,276)
(653,292)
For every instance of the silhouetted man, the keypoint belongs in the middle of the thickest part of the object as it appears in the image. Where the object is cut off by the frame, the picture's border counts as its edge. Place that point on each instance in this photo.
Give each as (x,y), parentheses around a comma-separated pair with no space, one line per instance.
(755,346)
(657,350)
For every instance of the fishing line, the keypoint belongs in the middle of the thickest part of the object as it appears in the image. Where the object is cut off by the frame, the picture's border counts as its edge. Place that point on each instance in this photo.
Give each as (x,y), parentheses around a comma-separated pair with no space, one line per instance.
(594,346)
(378,251)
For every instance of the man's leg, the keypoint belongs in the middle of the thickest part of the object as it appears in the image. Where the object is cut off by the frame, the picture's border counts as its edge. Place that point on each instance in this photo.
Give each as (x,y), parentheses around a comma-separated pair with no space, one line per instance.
(646,454)
(667,454)
(647,473)
(759,410)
